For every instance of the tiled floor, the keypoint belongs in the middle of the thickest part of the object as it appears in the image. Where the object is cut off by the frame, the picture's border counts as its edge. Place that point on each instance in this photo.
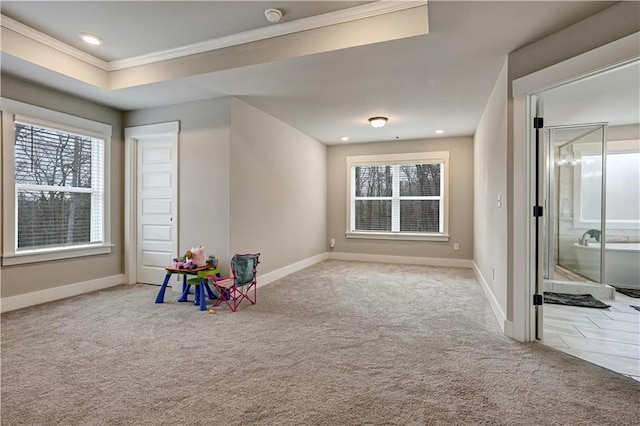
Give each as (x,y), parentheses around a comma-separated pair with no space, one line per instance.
(607,337)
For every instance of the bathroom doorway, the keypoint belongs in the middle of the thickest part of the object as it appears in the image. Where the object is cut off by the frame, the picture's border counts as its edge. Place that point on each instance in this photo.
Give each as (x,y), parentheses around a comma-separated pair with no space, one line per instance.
(589,232)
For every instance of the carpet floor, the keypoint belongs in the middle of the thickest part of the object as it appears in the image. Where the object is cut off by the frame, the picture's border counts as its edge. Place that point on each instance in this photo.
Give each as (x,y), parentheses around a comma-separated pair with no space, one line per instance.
(339,343)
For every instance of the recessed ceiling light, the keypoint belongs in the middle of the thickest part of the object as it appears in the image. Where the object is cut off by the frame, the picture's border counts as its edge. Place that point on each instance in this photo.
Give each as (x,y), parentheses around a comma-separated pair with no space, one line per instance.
(439,131)
(90,38)
(344,138)
(378,122)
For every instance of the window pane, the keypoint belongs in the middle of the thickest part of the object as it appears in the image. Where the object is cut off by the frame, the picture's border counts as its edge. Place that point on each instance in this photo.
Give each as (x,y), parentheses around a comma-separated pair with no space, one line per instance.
(373,215)
(48,218)
(419,216)
(421,180)
(623,186)
(50,157)
(374,181)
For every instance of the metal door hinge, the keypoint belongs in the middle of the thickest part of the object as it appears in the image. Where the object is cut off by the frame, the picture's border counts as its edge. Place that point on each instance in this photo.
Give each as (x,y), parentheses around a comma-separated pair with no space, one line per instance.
(537,211)
(537,123)
(537,299)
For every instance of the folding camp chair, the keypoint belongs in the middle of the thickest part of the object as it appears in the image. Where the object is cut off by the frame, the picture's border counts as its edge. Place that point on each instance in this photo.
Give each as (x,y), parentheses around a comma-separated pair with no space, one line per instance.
(233,291)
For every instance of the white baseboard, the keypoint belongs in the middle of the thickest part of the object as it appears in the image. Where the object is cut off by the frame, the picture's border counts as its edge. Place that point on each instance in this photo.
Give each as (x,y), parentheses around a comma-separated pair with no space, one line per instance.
(56,293)
(269,277)
(404,260)
(508,329)
(495,307)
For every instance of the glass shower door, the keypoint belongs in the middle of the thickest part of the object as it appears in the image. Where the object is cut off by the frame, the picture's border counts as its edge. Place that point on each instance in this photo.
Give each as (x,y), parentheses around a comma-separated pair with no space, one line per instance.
(575,203)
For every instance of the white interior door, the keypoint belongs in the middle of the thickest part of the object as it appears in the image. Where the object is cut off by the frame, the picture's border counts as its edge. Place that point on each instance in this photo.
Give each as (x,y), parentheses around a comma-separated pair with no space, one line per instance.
(156,208)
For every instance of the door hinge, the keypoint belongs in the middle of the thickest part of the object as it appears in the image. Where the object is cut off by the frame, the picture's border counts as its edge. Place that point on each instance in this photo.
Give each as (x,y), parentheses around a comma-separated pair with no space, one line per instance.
(537,123)
(537,299)
(537,211)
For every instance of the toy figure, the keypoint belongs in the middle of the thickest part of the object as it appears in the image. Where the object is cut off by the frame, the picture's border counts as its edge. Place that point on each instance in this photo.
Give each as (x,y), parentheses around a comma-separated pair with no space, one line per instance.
(198,256)
(194,258)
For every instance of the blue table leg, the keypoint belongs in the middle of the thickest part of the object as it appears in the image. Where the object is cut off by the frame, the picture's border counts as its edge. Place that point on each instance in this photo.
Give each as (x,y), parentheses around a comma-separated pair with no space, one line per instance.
(203,300)
(196,295)
(185,289)
(185,292)
(160,296)
(210,292)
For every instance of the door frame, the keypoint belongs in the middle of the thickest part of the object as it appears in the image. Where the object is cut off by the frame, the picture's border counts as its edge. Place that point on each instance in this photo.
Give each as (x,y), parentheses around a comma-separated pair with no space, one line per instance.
(132,135)
(612,55)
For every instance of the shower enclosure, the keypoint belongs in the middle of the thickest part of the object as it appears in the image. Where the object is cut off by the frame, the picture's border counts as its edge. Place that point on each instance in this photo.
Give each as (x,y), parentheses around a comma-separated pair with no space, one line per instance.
(574,188)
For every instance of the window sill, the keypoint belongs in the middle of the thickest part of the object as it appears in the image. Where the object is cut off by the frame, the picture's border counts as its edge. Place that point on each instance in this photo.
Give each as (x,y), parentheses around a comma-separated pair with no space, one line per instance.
(55,254)
(397,236)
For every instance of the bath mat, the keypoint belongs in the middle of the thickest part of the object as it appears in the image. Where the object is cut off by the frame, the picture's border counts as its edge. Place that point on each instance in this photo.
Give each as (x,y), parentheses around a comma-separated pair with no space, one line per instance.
(631,292)
(584,300)
(637,308)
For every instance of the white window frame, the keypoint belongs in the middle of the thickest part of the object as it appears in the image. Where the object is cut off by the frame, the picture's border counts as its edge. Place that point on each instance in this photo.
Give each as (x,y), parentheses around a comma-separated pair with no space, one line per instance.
(392,160)
(12,110)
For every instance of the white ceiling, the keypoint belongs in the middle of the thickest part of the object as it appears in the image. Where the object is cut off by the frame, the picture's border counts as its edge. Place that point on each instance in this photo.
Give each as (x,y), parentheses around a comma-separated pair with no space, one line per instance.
(611,97)
(139,27)
(422,83)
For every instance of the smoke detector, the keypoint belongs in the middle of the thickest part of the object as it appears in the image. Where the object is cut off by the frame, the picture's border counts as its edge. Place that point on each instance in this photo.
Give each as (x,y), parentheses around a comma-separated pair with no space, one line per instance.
(273,15)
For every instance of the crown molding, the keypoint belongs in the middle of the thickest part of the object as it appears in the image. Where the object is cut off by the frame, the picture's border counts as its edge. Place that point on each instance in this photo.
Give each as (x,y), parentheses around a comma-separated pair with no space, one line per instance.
(304,24)
(332,18)
(20,28)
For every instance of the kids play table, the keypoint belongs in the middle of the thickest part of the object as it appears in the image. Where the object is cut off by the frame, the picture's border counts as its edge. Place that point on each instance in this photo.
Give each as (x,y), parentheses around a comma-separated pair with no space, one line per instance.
(200,284)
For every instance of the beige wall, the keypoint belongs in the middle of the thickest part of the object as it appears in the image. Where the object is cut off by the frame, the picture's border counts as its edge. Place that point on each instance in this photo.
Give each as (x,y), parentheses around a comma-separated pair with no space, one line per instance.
(621,133)
(20,279)
(460,199)
(278,189)
(490,182)
(203,172)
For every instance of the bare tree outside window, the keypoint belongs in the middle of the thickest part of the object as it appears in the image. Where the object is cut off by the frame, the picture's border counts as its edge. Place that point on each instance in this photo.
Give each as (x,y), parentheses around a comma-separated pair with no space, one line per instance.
(53,176)
(373,182)
(420,180)
(412,203)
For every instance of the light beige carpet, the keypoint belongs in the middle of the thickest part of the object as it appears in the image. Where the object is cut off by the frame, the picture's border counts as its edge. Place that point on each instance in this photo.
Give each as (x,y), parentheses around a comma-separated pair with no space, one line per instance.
(339,343)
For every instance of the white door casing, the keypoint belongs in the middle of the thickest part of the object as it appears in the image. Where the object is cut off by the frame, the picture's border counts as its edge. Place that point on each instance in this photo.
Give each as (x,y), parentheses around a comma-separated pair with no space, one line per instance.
(151,201)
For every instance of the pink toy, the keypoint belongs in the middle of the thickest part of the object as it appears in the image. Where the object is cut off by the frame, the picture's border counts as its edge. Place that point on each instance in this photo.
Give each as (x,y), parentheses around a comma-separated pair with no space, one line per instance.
(199,257)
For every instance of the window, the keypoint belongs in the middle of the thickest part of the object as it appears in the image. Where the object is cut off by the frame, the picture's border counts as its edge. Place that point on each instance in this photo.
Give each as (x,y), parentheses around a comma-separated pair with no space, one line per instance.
(55,205)
(622,185)
(398,196)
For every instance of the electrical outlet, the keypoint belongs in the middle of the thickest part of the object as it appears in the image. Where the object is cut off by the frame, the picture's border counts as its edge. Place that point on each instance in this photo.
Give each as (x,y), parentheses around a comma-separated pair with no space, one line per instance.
(332,243)
(456,246)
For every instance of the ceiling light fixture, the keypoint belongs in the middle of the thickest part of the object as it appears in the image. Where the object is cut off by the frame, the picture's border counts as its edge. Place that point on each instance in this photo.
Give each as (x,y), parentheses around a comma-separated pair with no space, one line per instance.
(439,131)
(344,138)
(378,122)
(273,15)
(90,38)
